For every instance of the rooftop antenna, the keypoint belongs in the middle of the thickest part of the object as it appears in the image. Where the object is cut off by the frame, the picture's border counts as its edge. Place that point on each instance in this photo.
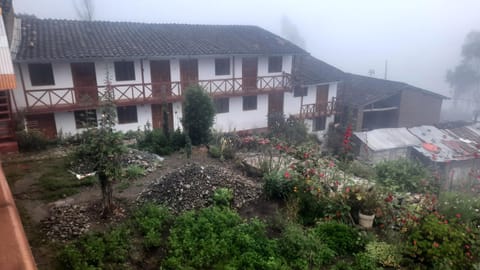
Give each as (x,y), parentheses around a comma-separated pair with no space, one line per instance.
(386,69)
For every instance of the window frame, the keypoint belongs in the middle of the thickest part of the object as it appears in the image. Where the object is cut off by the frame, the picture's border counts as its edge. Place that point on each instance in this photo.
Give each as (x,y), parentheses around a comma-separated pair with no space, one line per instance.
(246,100)
(300,91)
(316,121)
(222,105)
(219,65)
(86,122)
(124,115)
(273,65)
(46,76)
(124,71)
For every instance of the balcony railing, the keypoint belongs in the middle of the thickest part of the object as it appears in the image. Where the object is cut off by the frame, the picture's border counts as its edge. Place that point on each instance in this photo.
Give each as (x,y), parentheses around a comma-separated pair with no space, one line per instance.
(125,94)
(321,109)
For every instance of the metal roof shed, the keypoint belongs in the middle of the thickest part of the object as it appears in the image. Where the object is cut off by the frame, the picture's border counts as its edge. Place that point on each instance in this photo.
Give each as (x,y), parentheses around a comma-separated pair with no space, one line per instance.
(385,144)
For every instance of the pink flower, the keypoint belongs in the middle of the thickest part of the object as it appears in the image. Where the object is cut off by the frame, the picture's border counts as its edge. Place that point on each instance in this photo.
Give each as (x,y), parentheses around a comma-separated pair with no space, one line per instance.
(458,216)
(436,245)
(287,174)
(331,164)
(347,190)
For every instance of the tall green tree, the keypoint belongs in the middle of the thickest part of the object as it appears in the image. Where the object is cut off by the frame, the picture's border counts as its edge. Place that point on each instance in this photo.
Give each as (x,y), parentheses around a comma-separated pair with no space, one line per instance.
(198,115)
(102,147)
(465,77)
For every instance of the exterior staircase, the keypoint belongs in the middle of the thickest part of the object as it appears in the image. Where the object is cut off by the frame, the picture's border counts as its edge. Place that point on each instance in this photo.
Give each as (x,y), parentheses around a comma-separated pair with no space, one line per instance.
(8,144)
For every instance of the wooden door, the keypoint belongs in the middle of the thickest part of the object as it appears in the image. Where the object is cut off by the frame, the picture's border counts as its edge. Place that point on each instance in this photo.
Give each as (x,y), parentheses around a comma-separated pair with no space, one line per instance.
(45,123)
(275,103)
(84,83)
(160,76)
(249,72)
(188,72)
(162,117)
(322,98)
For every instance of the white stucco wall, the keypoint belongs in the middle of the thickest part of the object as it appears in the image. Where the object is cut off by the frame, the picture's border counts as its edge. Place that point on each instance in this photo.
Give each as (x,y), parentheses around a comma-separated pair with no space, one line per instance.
(237,119)
(65,121)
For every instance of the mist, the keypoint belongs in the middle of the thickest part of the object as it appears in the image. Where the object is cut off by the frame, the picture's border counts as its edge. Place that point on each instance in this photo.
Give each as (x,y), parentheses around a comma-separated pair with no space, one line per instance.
(421,40)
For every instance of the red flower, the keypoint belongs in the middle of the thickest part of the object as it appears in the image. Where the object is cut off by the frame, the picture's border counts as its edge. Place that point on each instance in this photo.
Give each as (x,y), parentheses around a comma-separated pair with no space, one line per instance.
(305,155)
(414,242)
(436,245)
(287,174)
(347,190)
(458,216)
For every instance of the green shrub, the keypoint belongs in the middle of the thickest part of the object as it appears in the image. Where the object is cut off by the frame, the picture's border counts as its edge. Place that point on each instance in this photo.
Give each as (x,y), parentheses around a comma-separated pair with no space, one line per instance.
(134,172)
(385,254)
(276,187)
(216,238)
(363,261)
(405,176)
(32,140)
(436,242)
(214,151)
(361,170)
(177,140)
(459,206)
(156,142)
(152,220)
(198,115)
(96,251)
(222,197)
(303,249)
(340,237)
(292,129)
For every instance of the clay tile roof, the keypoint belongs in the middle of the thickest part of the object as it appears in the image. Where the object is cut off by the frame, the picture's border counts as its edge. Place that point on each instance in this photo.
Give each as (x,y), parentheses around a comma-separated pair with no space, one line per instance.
(311,70)
(52,39)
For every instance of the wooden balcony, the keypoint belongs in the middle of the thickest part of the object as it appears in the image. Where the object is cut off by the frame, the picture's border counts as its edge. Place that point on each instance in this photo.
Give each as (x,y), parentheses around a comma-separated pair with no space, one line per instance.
(75,98)
(308,111)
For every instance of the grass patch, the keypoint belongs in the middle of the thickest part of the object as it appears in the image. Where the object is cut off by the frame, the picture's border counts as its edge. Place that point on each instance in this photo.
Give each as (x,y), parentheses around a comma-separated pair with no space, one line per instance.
(56,182)
(14,171)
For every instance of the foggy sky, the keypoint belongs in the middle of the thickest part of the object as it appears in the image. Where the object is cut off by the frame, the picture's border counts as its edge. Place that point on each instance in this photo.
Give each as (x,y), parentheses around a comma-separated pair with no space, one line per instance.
(421,39)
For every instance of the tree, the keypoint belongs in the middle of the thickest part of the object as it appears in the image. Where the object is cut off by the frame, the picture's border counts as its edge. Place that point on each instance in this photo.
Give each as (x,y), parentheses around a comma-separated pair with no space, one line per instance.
(102,147)
(84,9)
(465,78)
(198,115)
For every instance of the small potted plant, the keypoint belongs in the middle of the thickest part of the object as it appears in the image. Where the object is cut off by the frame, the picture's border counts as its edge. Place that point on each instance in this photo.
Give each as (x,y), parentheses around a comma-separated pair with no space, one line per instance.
(368,204)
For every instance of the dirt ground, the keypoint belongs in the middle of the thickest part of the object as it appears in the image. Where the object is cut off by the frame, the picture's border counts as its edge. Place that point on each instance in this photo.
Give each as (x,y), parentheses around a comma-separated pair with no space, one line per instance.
(33,210)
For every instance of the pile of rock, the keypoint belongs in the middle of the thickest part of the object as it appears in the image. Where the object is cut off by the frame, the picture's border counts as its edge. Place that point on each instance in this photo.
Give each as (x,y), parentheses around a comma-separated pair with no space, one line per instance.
(148,161)
(66,222)
(192,187)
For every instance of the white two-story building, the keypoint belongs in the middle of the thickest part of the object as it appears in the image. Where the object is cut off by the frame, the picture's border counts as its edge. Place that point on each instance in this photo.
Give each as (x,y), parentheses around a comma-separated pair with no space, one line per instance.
(62,68)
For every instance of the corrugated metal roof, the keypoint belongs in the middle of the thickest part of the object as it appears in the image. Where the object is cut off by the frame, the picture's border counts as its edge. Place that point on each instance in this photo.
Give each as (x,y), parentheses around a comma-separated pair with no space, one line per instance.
(388,138)
(449,146)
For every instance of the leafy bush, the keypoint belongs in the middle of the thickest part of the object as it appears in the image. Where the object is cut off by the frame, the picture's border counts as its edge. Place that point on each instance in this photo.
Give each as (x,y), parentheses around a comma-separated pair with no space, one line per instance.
(385,254)
(459,206)
(216,238)
(405,176)
(97,251)
(436,242)
(363,261)
(292,130)
(134,171)
(222,197)
(198,115)
(32,140)
(214,151)
(156,142)
(303,249)
(177,139)
(276,187)
(340,237)
(151,220)
(361,170)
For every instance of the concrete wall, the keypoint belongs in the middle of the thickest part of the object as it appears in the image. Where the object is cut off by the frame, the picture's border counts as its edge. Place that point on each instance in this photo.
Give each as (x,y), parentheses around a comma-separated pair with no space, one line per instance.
(418,108)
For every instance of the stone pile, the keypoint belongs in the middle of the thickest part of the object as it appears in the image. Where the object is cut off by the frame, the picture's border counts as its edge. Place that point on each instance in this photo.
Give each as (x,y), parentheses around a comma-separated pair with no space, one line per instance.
(192,187)
(66,222)
(146,160)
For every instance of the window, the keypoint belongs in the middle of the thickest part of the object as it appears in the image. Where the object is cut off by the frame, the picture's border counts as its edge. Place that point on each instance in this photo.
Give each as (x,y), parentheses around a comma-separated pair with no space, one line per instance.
(222,105)
(274,64)
(85,119)
(124,71)
(41,74)
(222,66)
(249,103)
(127,114)
(300,91)
(319,123)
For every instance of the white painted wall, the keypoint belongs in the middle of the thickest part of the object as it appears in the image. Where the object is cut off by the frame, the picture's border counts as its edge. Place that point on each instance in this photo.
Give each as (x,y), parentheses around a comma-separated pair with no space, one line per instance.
(238,119)
(65,121)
